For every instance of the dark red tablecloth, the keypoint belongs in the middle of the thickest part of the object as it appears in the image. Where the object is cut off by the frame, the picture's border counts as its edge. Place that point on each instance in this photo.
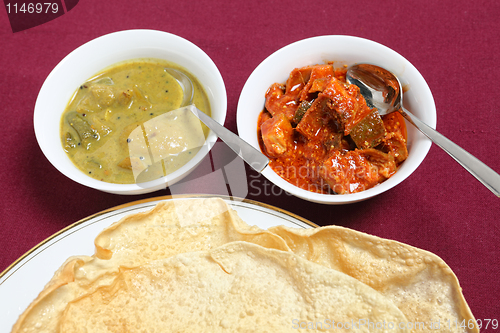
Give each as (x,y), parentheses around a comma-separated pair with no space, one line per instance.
(440,208)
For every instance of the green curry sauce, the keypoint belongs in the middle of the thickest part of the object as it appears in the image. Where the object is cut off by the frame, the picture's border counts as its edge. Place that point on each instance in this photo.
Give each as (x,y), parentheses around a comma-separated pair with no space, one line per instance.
(103,112)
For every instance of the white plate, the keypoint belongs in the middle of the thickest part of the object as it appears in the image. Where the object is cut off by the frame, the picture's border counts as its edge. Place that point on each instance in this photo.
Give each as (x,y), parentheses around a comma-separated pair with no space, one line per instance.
(21,283)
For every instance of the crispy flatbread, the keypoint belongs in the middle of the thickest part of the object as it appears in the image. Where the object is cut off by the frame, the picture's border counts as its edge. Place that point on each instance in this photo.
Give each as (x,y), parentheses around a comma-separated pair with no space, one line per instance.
(238,287)
(415,281)
(172,227)
(420,283)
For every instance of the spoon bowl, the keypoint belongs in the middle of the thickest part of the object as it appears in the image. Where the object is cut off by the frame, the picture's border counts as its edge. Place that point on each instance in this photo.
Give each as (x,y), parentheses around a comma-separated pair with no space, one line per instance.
(186,84)
(382,90)
(379,87)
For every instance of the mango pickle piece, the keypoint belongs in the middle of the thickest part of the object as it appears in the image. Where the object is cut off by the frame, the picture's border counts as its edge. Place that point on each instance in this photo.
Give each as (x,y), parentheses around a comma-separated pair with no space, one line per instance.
(369,132)
(301,111)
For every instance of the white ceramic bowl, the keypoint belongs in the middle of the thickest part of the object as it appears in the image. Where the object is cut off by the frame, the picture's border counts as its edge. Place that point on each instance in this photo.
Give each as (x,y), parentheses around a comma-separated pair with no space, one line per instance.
(343,50)
(92,57)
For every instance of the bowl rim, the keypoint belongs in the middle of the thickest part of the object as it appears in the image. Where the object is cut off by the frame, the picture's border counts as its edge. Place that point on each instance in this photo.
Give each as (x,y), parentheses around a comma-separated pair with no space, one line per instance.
(300,49)
(144,39)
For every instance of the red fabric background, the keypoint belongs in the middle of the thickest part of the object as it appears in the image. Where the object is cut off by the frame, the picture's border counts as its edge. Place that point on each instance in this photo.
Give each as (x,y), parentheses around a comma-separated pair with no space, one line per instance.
(440,208)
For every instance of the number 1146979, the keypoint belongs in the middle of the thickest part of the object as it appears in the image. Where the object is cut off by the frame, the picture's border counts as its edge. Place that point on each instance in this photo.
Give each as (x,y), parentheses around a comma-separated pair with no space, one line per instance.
(482,324)
(32,8)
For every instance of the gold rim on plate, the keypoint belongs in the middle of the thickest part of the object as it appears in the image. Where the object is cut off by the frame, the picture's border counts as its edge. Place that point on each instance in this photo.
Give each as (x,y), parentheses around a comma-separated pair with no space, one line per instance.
(144,201)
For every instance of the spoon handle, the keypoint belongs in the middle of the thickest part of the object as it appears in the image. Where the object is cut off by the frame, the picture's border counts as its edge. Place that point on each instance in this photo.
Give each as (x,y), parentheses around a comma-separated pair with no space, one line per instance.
(257,160)
(478,169)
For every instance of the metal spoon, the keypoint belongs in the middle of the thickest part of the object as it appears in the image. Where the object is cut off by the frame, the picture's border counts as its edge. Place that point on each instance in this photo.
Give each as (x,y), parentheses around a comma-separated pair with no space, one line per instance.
(185,83)
(256,159)
(383,90)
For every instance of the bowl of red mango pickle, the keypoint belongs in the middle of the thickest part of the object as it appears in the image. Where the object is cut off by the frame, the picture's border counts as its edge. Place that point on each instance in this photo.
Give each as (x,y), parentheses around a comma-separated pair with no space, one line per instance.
(325,143)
